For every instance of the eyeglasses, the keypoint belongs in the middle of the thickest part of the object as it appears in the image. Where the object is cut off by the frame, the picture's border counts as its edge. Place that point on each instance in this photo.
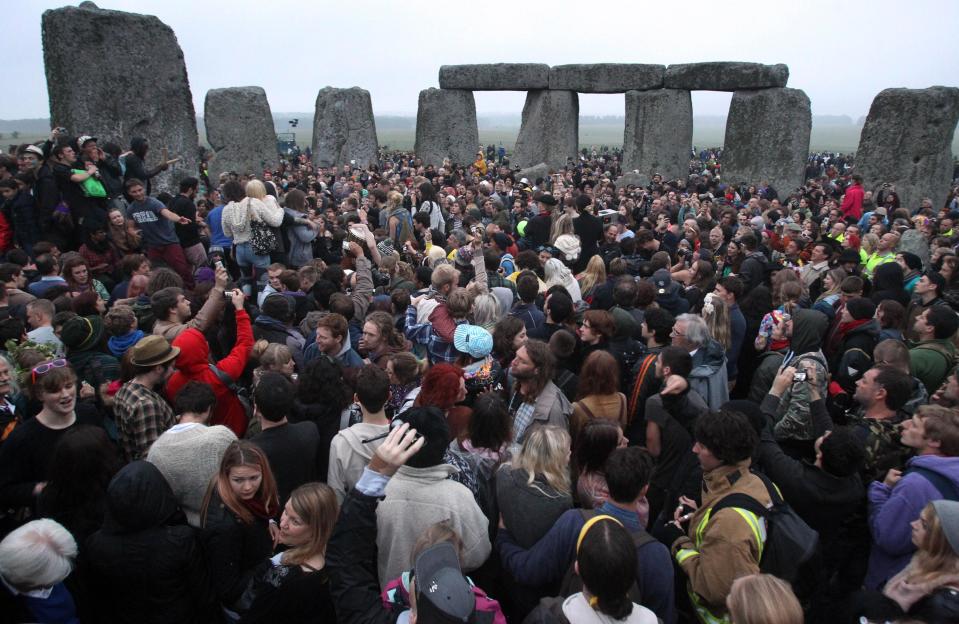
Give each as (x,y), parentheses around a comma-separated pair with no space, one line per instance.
(46,367)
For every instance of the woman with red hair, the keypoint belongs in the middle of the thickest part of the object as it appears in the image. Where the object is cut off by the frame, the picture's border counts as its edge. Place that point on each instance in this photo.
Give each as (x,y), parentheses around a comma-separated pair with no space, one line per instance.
(444,385)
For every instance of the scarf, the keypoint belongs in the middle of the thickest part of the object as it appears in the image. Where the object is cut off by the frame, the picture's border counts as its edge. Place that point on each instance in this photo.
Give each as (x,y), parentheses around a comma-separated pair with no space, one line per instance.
(843,330)
(118,345)
(907,593)
(257,508)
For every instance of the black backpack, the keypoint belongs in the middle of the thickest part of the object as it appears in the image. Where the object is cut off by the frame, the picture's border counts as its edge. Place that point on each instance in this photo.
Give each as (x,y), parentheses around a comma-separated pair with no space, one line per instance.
(792,546)
(572,583)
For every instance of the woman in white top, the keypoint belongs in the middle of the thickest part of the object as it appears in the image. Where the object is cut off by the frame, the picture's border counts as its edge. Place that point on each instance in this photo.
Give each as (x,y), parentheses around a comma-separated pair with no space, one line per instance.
(237,217)
(558,273)
(430,205)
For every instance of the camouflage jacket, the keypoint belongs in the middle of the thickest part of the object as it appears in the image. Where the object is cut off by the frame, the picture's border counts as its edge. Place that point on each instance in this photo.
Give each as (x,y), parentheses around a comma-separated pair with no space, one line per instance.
(884,450)
(793,420)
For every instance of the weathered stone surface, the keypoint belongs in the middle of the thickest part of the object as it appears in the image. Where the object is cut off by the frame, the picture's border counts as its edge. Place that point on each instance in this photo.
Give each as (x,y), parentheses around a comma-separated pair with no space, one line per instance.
(636,179)
(495,76)
(913,241)
(239,128)
(725,76)
(446,126)
(550,129)
(907,141)
(343,128)
(767,138)
(606,77)
(531,174)
(659,132)
(117,75)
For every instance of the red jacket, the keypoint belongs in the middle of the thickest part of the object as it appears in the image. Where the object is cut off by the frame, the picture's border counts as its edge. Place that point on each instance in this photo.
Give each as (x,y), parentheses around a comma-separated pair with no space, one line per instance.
(193,364)
(852,202)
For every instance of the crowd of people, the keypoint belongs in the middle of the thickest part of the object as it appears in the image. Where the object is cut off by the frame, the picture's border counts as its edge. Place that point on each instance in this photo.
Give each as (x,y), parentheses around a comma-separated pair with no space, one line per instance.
(451,393)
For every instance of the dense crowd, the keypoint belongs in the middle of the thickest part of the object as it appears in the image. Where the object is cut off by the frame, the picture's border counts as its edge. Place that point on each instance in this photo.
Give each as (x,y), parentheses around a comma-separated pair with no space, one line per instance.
(408,392)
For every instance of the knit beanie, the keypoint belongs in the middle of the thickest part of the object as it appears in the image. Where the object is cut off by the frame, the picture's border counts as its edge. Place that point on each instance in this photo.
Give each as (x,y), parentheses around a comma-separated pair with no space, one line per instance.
(948,512)
(912,260)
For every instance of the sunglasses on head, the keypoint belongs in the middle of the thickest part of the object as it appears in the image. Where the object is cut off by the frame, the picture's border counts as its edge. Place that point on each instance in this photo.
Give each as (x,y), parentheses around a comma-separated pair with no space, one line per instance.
(46,367)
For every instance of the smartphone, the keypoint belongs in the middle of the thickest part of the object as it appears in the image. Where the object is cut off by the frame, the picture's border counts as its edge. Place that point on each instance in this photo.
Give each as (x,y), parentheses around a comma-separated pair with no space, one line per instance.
(219,264)
(799,376)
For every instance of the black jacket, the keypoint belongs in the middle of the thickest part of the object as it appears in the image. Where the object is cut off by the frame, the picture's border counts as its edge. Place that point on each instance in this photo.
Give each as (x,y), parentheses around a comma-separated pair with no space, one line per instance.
(753,270)
(145,564)
(233,549)
(351,563)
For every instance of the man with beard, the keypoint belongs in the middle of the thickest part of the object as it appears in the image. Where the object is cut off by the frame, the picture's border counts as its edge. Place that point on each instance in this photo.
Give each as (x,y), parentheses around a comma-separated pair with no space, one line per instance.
(535,399)
(141,413)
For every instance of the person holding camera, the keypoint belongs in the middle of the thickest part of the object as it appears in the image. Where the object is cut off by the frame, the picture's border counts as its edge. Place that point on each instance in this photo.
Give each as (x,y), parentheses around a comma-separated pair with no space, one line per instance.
(193,364)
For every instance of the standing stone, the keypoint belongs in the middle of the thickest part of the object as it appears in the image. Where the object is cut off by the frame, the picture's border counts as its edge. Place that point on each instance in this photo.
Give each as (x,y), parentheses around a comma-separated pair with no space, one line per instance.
(606,77)
(531,174)
(659,133)
(725,76)
(550,129)
(907,141)
(767,138)
(495,76)
(239,128)
(343,128)
(446,126)
(117,75)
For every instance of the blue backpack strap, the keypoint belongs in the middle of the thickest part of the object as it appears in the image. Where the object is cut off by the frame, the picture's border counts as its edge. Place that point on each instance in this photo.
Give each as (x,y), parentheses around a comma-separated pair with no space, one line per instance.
(946,487)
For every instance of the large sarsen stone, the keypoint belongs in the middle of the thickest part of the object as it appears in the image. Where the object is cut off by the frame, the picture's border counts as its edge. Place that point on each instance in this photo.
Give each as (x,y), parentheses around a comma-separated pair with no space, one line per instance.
(725,76)
(550,129)
(659,133)
(495,76)
(606,77)
(117,75)
(239,128)
(446,126)
(907,141)
(343,128)
(767,138)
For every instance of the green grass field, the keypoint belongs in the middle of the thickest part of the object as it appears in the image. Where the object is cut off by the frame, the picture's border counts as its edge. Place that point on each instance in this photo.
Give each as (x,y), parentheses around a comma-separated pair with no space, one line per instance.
(831,138)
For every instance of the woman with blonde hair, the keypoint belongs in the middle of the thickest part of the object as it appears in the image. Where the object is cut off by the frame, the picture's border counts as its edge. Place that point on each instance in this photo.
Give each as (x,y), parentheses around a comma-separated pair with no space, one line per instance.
(293,586)
(763,599)
(399,223)
(829,300)
(716,314)
(563,224)
(558,274)
(486,311)
(927,590)
(274,357)
(593,277)
(533,489)
(246,208)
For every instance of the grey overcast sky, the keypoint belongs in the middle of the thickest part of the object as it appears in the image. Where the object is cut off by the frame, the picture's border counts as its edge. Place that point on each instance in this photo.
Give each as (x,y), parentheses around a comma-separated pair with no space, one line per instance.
(840,53)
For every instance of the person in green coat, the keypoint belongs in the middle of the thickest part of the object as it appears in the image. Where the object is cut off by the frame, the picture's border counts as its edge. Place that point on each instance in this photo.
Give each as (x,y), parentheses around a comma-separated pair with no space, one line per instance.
(932,358)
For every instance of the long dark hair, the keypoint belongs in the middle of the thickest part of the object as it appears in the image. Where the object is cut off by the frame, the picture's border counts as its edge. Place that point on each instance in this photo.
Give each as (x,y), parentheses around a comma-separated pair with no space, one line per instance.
(490,425)
(606,558)
(598,439)
(322,382)
(84,461)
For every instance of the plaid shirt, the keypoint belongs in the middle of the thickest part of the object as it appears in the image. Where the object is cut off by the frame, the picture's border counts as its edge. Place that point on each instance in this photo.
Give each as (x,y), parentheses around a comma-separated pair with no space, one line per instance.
(141,415)
(437,349)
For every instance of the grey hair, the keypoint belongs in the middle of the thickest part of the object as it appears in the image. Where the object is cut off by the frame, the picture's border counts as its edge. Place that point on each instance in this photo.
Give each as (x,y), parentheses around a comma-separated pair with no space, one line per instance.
(486,310)
(697,332)
(41,553)
(460,235)
(14,384)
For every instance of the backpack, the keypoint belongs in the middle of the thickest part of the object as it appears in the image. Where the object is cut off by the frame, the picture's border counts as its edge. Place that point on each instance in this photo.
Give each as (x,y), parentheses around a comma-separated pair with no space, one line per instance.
(791,547)
(952,359)
(572,583)
(945,487)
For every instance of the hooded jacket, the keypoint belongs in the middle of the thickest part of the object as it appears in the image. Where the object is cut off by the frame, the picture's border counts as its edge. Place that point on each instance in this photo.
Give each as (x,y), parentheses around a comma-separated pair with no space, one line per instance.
(417,498)
(672,300)
(349,456)
(888,283)
(891,510)
(753,270)
(855,355)
(144,565)
(708,376)
(193,364)
(793,420)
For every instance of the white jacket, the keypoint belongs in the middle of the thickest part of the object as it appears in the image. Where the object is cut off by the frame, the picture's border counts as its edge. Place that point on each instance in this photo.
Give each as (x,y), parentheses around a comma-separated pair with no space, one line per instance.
(236,217)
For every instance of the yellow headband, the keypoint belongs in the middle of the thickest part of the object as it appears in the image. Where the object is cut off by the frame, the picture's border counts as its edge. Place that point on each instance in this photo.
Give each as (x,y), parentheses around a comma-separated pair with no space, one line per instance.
(589,524)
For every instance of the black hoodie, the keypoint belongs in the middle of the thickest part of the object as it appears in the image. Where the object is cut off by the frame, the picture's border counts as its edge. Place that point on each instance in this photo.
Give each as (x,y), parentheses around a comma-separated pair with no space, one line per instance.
(145,565)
